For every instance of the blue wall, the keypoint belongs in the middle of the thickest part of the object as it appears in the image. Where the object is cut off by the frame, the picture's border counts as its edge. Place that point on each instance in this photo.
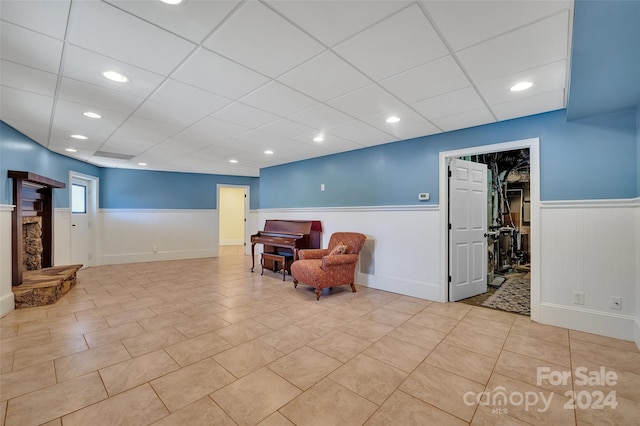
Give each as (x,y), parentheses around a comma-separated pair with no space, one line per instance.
(142,189)
(119,188)
(593,158)
(18,152)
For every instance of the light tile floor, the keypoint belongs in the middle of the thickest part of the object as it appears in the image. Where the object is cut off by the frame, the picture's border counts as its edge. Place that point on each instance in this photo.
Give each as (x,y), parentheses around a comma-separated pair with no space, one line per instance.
(205,341)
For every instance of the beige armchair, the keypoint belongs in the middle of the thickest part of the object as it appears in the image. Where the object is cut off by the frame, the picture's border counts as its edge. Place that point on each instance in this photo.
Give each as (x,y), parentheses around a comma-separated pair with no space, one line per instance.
(330,267)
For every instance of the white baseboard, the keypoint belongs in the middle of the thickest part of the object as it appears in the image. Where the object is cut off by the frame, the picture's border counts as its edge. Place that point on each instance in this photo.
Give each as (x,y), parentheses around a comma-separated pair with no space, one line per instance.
(237,242)
(155,257)
(602,323)
(7,304)
(429,291)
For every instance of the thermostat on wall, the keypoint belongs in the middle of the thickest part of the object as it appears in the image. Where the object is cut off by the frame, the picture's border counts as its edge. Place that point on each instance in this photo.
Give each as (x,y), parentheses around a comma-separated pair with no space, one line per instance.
(423,196)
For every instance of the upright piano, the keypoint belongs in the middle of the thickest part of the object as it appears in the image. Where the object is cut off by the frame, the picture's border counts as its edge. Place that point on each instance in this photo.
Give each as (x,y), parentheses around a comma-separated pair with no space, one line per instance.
(287,236)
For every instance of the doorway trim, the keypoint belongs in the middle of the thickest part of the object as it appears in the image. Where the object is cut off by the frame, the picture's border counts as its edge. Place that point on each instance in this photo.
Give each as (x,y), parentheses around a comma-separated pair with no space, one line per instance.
(247,202)
(92,206)
(533,145)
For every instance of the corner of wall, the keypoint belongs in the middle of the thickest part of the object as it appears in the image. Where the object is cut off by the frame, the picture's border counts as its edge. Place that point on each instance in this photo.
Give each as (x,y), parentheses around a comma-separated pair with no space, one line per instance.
(7,302)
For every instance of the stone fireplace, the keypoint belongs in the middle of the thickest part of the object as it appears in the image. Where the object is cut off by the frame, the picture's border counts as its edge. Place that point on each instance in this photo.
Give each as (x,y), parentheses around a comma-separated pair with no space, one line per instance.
(35,280)
(32,243)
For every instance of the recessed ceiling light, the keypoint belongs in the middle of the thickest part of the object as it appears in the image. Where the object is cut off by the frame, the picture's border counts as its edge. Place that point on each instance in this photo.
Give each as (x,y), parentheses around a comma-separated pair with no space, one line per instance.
(393,119)
(83,137)
(523,85)
(142,164)
(233,161)
(318,138)
(171,2)
(71,150)
(268,152)
(116,76)
(91,114)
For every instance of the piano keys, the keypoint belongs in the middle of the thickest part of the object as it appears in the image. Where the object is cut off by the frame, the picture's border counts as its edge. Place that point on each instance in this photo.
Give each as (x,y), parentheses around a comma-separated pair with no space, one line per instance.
(287,236)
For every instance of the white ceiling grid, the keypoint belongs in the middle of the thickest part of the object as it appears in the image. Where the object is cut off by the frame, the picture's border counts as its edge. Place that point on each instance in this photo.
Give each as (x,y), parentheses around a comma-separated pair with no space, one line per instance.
(212,81)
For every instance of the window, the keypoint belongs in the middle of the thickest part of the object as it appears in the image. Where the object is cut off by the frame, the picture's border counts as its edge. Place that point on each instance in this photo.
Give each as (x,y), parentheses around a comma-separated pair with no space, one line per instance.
(78,198)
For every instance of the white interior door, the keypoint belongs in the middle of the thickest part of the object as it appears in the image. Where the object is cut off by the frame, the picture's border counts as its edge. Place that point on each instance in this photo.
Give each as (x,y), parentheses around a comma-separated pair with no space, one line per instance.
(80,222)
(468,226)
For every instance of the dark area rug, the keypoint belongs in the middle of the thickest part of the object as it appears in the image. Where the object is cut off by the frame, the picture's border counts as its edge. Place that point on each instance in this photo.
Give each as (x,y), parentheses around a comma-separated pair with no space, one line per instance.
(513,296)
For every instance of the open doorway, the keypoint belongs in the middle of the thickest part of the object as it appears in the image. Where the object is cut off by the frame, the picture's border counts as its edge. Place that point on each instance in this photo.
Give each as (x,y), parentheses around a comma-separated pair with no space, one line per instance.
(232,219)
(83,199)
(510,247)
(508,220)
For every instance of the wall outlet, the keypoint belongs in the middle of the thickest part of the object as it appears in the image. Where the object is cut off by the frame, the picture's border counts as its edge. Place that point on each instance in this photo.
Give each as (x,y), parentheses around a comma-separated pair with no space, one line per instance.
(155,249)
(578,298)
(616,302)
(322,187)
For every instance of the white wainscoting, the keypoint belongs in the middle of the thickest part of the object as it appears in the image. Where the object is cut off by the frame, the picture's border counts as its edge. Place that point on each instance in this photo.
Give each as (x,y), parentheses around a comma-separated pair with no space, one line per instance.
(589,247)
(7,302)
(637,322)
(137,235)
(62,236)
(402,252)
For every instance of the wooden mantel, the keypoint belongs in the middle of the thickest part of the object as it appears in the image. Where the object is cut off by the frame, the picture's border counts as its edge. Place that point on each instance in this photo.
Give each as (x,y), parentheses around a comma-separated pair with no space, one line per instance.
(32,196)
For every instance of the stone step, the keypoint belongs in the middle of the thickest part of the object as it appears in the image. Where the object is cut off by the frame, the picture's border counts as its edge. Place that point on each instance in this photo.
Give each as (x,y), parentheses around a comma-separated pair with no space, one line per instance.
(45,286)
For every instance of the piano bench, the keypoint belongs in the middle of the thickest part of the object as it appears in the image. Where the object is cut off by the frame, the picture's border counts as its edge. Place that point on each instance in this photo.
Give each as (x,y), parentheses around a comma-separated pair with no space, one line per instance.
(284,259)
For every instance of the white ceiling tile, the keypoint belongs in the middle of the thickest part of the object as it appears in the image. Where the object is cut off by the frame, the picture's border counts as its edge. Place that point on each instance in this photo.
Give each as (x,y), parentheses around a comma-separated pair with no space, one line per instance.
(151,131)
(410,123)
(21,105)
(545,79)
(44,16)
(193,20)
(63,139)
(397,44)
(81,154)
(366,101)
(172,114)
(100,97)
(174,92)
(286,129)
(68,120)
(537,44)
(434,78)
(118,145)
(256,138)
(465,23)
(259,38)
(465,119)
(135,41)
(212,129)
(73,112)
(333,21)
(245,115)
(324,77)
(320,116)
(360,133)
(542,102)
(29,48)
(451,103)
(84,65)
(278,99)
(214,73)
(331,143)
(29,79)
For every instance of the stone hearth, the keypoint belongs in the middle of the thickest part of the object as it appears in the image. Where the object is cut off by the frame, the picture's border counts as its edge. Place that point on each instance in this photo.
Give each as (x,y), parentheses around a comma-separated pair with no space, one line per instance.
(45,286)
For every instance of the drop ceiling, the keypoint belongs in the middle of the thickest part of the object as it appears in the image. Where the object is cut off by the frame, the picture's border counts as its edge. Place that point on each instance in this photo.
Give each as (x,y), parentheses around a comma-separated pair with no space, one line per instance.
(215,81)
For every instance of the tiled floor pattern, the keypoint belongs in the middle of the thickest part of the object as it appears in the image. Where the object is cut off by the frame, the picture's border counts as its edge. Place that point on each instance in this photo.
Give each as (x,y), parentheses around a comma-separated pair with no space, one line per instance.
(206,342)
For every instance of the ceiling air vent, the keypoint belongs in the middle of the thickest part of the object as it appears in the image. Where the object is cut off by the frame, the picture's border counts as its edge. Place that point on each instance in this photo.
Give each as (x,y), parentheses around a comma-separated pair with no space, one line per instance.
(113,155)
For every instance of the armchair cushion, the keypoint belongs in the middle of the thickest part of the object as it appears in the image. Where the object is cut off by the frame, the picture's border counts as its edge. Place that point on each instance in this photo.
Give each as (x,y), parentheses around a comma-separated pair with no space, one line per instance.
(312,253)
(339,249)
